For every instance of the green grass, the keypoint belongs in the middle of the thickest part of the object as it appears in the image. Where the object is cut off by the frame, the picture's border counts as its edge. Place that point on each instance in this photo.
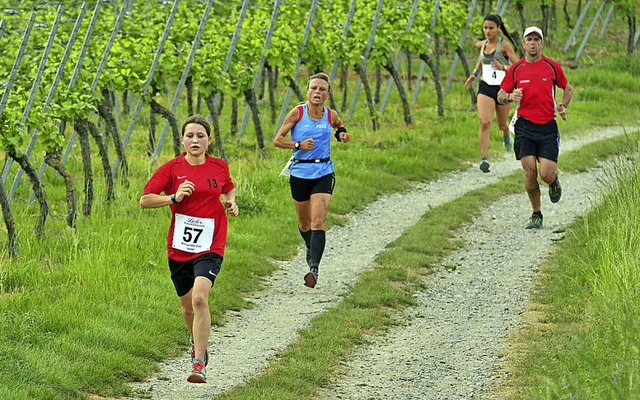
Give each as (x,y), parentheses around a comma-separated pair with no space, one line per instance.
(102,291)
(584,342)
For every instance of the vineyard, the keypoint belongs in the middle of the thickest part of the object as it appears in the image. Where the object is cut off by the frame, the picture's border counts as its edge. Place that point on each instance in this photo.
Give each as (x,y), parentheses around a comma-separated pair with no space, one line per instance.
(84,79)
(92,95)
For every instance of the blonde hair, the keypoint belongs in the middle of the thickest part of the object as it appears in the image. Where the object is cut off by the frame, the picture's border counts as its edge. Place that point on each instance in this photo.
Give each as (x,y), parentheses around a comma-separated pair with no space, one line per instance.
(320,75)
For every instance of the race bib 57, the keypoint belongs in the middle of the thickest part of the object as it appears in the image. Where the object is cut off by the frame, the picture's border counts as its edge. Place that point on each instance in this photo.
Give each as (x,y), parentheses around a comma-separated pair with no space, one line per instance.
(192,234)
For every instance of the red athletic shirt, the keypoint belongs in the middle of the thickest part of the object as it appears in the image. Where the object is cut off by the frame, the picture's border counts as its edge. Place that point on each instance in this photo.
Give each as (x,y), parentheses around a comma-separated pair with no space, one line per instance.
(538,82)
(201,217)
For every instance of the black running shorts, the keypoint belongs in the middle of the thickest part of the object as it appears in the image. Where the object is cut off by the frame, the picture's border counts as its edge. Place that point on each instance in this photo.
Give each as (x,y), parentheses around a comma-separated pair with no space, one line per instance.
(302,189)
(541,141)
(489,91)
(183,273)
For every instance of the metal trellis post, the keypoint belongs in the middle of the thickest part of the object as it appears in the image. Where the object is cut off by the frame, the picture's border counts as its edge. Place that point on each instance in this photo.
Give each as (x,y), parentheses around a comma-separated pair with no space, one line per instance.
(345,32)
(76,71)
(32,95)
(258,77)
(59,72)
(16,63)
(436,8)
(152,70)
(605,24)
(305,38)
(574,32)
(456,58)
(588,34)
(387,93)
(183,77)
(365,56)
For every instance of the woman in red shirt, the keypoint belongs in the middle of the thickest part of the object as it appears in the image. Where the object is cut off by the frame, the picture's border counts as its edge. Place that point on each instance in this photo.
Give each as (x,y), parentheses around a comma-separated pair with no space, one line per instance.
(193,185)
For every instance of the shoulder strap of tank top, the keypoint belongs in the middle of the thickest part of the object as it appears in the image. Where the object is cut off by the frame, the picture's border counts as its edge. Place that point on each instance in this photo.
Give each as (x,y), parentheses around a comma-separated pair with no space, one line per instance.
(300,112)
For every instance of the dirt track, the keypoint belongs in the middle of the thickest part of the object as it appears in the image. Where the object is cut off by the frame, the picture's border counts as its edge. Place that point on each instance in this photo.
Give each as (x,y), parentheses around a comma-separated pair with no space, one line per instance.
(453,339)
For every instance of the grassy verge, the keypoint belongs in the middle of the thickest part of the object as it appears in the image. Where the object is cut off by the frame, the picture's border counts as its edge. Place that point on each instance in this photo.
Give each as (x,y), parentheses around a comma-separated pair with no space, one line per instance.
(582,340)
(89,309)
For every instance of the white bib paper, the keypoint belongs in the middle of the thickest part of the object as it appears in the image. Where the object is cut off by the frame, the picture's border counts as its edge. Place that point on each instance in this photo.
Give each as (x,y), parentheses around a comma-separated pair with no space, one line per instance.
(286,171)
(492,76)
(192,234)
(512,124)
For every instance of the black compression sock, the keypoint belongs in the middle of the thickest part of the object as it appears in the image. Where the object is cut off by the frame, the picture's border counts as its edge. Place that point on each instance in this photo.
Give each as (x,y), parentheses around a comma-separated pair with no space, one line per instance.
(306,236)
(318,240)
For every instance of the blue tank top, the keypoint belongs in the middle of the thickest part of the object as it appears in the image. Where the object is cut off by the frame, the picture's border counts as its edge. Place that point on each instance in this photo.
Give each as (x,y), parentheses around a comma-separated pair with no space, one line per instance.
(320,131)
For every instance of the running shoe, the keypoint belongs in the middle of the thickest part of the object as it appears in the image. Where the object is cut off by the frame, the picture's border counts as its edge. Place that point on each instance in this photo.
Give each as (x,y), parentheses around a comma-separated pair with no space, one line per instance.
(555,191)
(484,166)
(508,143)
(198,373)
(311,278)
(193,354)
(535,222)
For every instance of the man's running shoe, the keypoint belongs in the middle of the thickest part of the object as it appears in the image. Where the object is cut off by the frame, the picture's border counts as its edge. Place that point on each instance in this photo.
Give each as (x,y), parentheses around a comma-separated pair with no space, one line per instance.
(535,222)
(193,354)
(484,166)
(555,191)
(198,373)
(508,143)
(311,278)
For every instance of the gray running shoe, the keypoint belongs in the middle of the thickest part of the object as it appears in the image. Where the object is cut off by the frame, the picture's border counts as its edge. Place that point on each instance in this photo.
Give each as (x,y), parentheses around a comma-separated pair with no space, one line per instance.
(311,278)
(484,166)
(555,191)
(535,222)
(508,143)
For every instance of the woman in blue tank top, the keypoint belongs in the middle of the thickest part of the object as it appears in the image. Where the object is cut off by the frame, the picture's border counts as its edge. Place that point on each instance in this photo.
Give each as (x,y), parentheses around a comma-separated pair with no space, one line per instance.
(311,173)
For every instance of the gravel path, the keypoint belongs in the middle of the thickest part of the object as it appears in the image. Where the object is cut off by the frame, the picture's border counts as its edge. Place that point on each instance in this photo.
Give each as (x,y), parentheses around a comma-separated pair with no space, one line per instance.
(450,346)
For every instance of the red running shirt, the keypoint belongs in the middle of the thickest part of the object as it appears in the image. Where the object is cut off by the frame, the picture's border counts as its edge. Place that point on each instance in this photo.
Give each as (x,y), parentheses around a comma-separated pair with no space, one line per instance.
(198,222)
(538,82)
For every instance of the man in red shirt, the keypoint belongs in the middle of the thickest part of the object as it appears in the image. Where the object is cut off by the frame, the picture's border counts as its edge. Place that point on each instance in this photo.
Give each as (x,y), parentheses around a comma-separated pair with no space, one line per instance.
(193,185)
(531,82)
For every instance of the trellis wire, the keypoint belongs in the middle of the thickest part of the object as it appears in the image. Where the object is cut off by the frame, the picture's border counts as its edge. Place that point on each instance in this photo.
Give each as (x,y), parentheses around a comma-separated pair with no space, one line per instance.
(32,96)
(396,64)
(456,57)
(588,34)
(365,56)
(305,38)
(152,69)
(434,18)
(258,77)
(183,77)
(574,32)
